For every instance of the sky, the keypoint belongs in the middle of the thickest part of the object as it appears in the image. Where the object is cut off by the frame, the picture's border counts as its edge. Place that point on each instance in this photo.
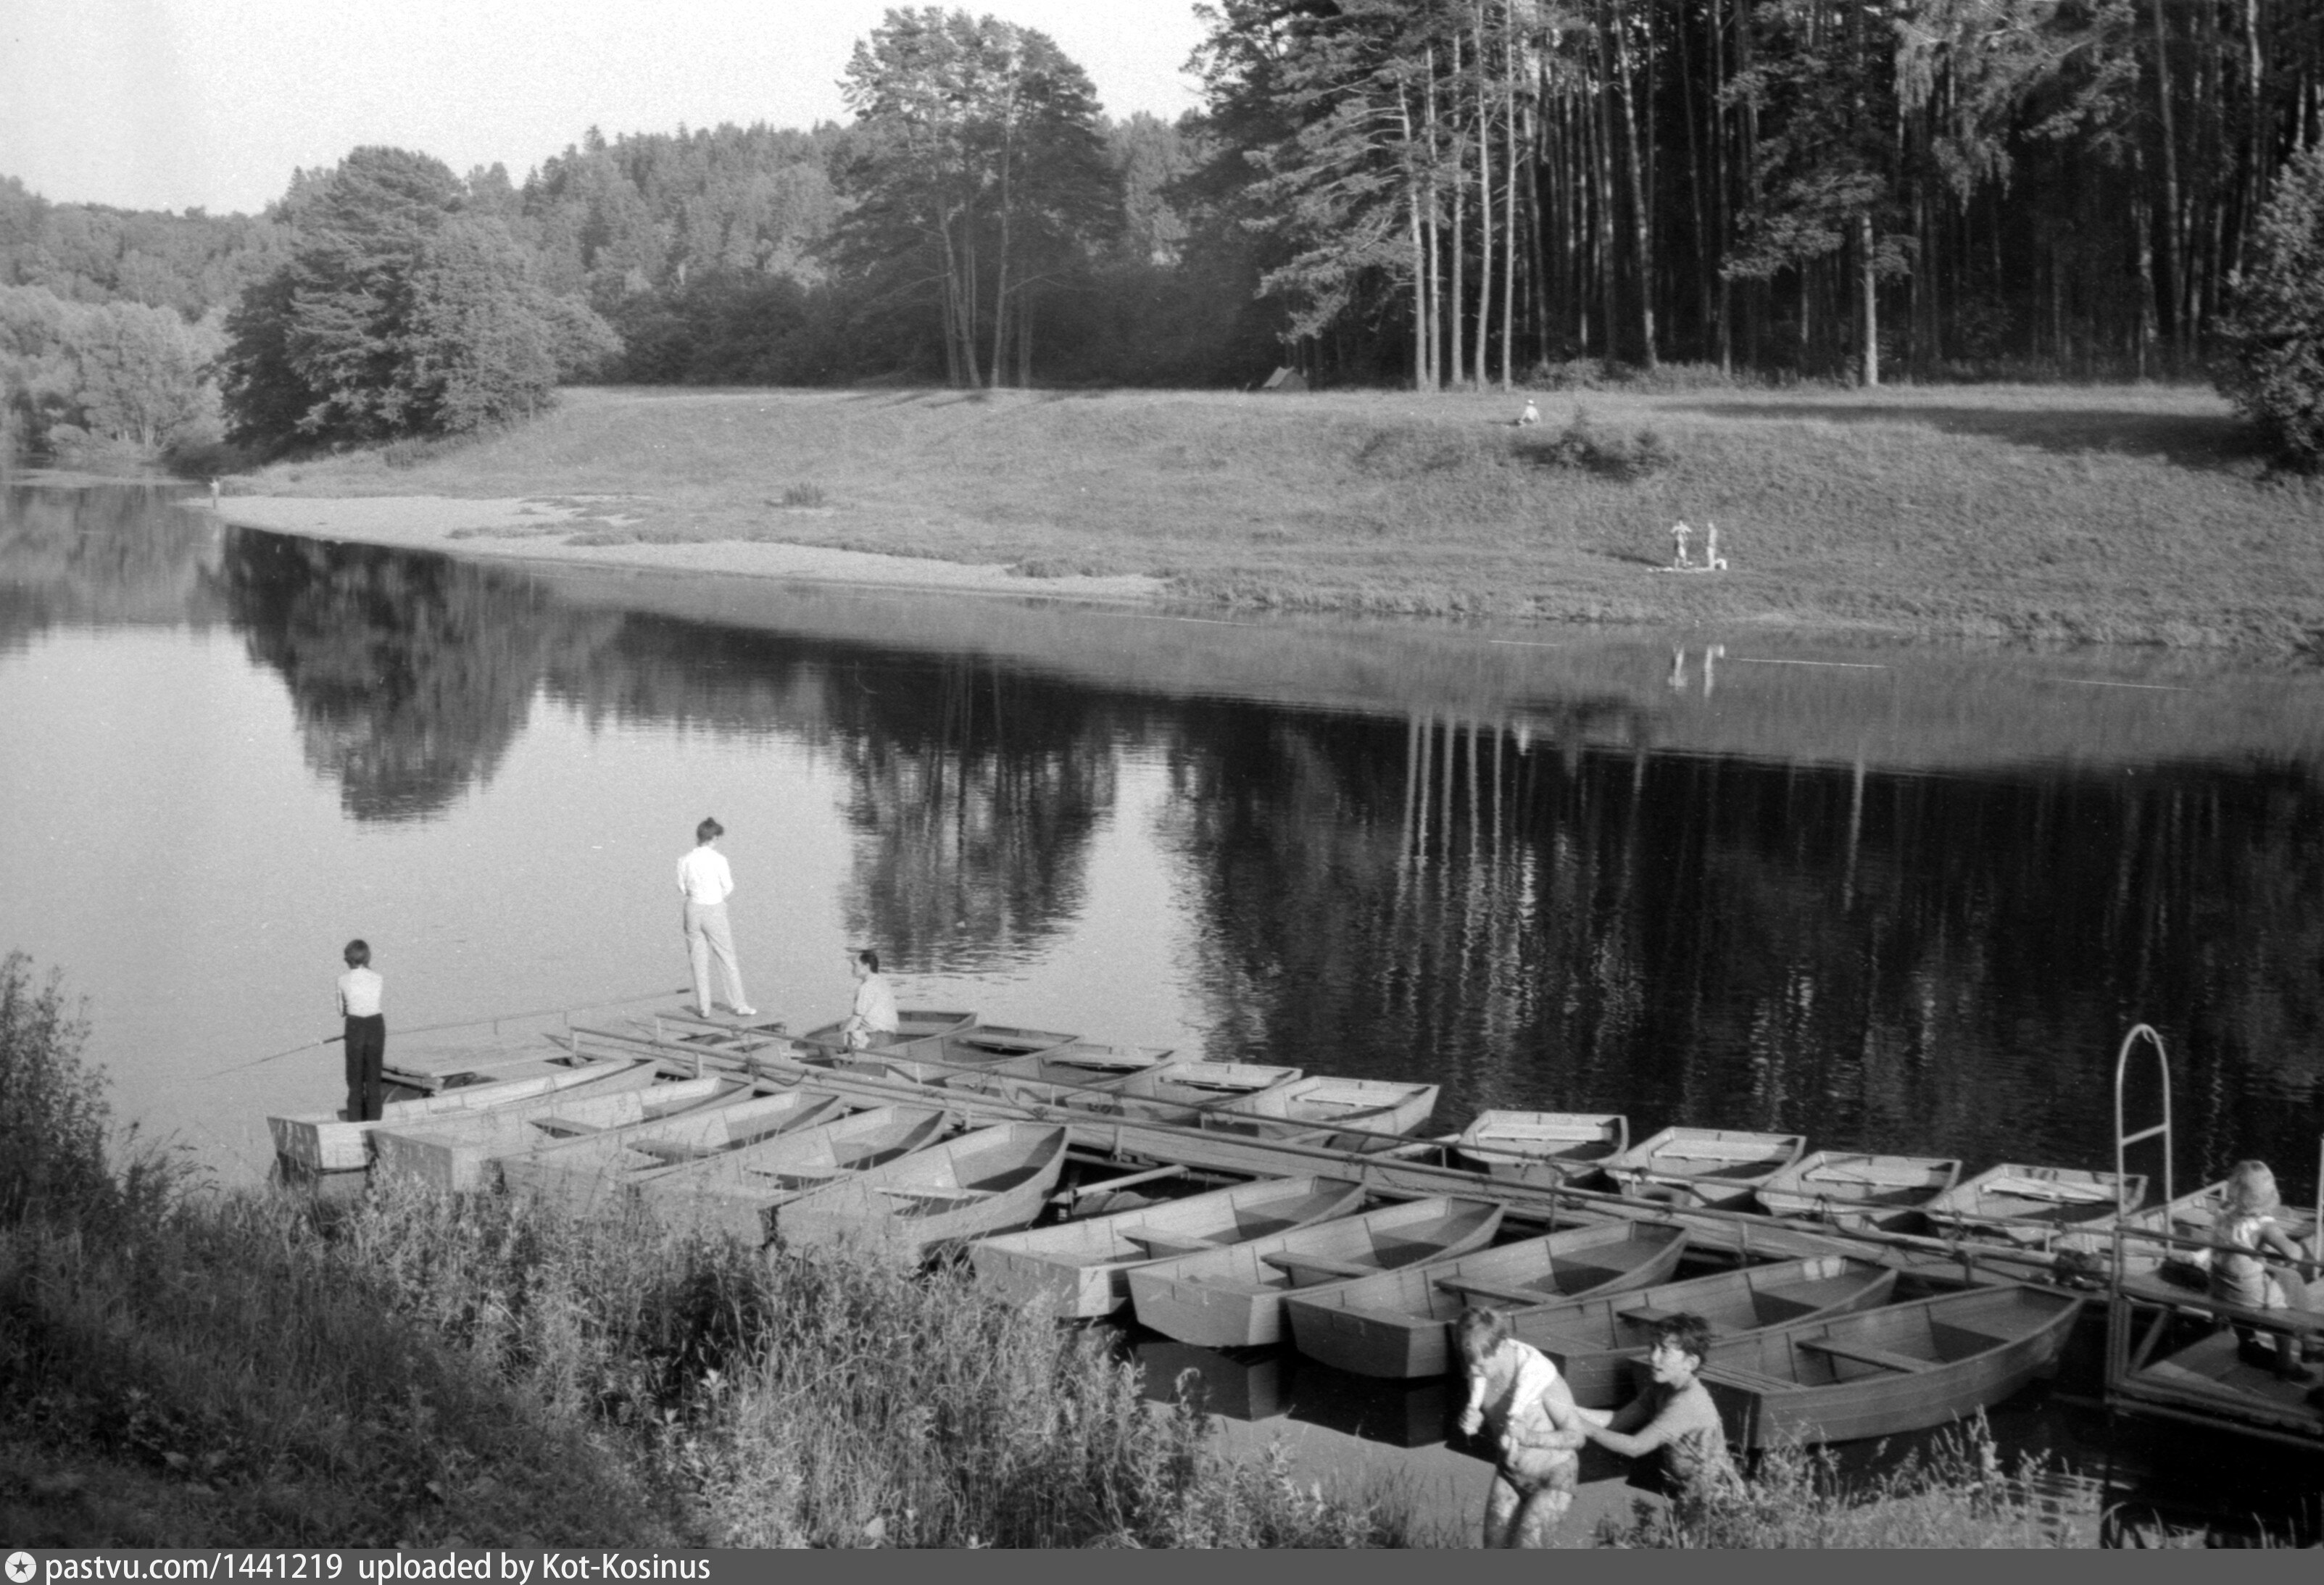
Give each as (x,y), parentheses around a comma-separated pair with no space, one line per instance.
(212,104)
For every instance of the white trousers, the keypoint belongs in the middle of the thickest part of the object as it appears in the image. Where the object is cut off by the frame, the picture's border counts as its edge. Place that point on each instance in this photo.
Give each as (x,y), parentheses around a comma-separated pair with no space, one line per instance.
(708,935)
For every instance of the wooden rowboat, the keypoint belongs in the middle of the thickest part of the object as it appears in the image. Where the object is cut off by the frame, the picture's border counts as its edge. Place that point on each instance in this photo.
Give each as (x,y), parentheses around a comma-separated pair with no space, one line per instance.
(460,1152)
(1233,1297)
(913,1024)
(1881,1373)
(2034,1204)
(1703,1167)
(2190,1216)
(1078,1270)
(1397,1325)
(737,1192)
(981,1183)
(1376,1107)
(1542,1147)
(325,1141)
(1212,1085)
(1088,1063)
(1849,1189)
(1592,1341)
(1079,1100)
(584,1171)
(935,1056)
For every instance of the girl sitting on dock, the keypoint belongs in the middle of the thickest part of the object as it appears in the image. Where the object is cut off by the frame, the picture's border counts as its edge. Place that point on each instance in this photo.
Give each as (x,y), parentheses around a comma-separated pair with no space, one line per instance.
(2248,1237)
(1536,1429)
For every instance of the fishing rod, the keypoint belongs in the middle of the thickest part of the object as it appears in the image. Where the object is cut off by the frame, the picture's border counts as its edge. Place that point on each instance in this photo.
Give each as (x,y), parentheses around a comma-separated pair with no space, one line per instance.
(438,1029)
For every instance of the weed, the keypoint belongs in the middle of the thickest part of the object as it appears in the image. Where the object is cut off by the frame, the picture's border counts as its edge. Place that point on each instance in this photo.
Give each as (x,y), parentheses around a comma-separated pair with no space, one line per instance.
(1958,1495)
(53,1116)
(1582,445)
(413,1367)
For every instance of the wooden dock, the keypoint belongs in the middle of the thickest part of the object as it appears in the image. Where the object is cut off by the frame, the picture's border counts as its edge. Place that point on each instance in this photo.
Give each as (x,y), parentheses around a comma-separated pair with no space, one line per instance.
(2170,1351)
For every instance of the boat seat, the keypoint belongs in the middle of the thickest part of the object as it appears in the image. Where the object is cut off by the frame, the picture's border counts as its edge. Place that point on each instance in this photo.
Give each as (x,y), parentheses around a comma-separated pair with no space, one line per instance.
(1743,1376)
(1493,1290)
(946,1196)
(1161,1248)
(1296,1264)
(1885,1359)
(1648,1315)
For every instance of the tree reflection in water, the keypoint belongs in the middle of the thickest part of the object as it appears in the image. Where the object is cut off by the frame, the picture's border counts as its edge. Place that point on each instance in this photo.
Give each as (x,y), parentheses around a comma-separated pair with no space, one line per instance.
(411,675)
(1938,963)
(1545,913)
(124,554)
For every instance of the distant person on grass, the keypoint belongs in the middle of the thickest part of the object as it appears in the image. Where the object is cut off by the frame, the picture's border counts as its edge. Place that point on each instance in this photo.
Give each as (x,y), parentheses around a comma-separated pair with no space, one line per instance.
(1675,1416)
(705,882)
(873,1018)
(360,989)
(1537,1431)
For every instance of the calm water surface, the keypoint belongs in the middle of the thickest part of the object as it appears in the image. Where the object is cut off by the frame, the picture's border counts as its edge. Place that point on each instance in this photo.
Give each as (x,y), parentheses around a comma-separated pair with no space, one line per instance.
(222,752)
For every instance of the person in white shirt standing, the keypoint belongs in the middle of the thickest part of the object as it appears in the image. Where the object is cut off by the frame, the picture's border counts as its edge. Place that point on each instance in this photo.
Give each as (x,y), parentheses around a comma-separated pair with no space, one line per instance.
(705,882)
(360,989)
(874,1013)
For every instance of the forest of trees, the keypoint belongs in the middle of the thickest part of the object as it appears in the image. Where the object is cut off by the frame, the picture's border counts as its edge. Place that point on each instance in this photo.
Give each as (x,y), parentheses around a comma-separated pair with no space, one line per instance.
(1431,192)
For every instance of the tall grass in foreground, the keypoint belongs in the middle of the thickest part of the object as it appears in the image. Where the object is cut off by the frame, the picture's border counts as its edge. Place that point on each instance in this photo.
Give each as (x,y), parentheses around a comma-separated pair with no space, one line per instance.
(415,1368)
(1956,1495)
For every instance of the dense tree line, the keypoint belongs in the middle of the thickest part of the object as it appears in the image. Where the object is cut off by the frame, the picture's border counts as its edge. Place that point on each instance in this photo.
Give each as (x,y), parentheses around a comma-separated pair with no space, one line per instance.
(1448,192)
(1780,184)
(83,380)
(405,309)
(194,263)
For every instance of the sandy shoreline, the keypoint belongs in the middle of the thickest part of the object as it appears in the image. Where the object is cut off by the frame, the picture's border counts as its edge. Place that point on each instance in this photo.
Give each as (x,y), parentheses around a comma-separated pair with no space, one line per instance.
(537,529)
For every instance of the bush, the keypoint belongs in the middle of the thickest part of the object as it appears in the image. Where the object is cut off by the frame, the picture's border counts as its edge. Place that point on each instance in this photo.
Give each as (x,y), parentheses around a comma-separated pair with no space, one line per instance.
(2276,327)
(1582,445)
(53,1118)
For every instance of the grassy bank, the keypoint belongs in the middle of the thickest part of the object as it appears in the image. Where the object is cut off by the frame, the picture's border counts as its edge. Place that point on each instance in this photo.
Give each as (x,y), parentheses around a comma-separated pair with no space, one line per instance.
(182,1369)
(2052,515)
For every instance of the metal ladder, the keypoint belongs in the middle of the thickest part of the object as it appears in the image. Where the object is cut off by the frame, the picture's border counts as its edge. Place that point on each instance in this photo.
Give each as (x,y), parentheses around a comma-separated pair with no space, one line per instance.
(2123,1141)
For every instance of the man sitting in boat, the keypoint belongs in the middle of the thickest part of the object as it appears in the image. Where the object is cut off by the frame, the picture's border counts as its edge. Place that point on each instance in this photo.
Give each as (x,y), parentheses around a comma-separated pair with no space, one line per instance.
(873,1020)
(1678,1418)
(2248,1234)
(1537,1429)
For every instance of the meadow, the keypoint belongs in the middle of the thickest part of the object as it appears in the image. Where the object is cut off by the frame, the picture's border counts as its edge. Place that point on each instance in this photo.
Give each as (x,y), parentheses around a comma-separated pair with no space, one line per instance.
(2049,514)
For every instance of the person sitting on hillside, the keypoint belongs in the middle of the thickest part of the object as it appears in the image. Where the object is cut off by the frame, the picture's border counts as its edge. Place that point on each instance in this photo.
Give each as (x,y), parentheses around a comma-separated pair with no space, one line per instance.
(1537,1429)
(1531,416)
(1675,1416)
(2246,1234)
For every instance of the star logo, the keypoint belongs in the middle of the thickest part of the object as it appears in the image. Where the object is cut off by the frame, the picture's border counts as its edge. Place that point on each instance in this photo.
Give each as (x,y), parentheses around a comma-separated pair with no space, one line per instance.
(22,1568)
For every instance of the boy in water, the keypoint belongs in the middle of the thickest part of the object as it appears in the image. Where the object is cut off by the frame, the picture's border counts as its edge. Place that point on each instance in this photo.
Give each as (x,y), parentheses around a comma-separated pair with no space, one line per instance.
(366,1032)
(1536,1426)
(1675,1416)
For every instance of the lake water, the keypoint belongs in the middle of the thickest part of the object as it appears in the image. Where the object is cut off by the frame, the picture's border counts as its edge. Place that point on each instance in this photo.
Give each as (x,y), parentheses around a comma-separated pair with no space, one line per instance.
(1898,898)
(1893,897)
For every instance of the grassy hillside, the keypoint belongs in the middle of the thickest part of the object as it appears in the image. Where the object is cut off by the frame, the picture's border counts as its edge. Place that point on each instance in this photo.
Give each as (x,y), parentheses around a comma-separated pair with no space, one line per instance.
(2090,514)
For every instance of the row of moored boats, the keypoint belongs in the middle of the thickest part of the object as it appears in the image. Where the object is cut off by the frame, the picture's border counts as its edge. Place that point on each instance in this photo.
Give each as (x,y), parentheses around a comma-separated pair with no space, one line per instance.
(804,1141)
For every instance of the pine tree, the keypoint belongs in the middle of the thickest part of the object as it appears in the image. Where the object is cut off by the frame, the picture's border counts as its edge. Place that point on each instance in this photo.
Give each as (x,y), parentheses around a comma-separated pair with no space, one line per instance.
(2275,335)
